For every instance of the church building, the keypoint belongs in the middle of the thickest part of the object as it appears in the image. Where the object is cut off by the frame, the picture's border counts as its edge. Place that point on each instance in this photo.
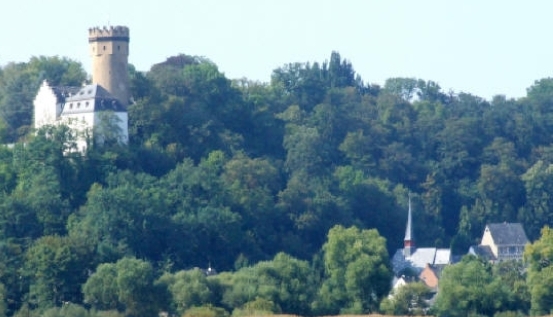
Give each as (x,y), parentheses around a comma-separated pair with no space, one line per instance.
(410,257)
(92,109)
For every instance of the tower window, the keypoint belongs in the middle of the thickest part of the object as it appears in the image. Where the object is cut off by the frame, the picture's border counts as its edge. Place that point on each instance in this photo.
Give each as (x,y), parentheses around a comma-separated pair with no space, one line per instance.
(86,104)
(118,47)
(71,106)
(78,104)
(104,47)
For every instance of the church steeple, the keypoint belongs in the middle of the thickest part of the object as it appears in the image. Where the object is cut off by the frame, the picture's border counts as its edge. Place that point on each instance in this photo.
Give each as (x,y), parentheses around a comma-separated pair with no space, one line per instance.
(409,241)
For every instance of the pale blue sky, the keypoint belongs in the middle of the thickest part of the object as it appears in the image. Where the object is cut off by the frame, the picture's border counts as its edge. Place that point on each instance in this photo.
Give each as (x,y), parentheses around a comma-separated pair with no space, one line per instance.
(482,47)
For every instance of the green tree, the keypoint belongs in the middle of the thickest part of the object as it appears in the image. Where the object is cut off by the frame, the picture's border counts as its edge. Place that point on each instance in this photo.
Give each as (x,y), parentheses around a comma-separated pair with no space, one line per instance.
(54,148)
(56,267)
(12,259)
(59,71)
(302,84)
(206,311)
(371,202)
(513,274)
(257,307)
(538,182)
(101,290)
(198,105)
(252,185)
(188,289)
(38,201)
(127,285)
(67,310)
(108,131)
(468,287)
(539,256)
(284,281)
(312,209)
(3,299)
(128,215)
(409,299)
(200,215)
(404,88)
(362,149)
(538,102)
(503,189)
(304,147)
(357,272)
(19,87)
(262,131)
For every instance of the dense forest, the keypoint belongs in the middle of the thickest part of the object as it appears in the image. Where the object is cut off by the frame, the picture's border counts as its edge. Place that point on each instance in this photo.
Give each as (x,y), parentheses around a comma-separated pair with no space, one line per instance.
(294,191)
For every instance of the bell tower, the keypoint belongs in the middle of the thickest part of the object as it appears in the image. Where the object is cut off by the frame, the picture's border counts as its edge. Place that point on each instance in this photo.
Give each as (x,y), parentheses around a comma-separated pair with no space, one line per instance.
(109,49)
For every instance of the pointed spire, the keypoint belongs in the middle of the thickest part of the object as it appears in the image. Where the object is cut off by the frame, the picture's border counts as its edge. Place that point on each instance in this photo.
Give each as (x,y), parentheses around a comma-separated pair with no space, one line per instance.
(408,229)
(409,241)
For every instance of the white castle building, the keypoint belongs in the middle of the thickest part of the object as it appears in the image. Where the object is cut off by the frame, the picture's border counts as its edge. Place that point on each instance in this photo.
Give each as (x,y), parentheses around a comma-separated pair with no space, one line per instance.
(91,109)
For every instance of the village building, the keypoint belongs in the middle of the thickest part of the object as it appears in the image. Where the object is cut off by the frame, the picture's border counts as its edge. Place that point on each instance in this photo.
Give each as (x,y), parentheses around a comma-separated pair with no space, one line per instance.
(501,242)
(430,276)
(91,109)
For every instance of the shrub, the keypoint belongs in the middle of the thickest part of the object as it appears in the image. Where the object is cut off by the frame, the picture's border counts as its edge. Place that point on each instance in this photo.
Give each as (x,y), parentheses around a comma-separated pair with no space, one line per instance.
(206,311)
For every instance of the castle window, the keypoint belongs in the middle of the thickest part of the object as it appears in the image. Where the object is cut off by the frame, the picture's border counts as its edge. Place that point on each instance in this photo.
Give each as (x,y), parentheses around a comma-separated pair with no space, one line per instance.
(118,47)
(86,104)
(71,106)
(78,104)
(104,47)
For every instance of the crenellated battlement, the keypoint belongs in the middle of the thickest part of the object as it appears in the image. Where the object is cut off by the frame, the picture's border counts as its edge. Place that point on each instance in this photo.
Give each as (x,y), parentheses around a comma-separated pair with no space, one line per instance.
(112,33)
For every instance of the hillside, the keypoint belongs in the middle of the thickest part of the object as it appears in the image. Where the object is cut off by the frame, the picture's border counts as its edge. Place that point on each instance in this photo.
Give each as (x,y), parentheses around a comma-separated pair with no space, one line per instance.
(239,175)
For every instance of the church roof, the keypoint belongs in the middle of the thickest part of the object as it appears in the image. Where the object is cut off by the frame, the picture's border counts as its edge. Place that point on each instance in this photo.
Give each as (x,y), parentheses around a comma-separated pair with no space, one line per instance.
(91,98)
(443,256)
(507,233)
(420,258)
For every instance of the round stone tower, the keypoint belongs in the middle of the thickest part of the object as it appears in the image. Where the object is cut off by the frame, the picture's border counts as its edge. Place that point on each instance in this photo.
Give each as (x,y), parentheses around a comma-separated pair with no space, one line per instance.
(109,48)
